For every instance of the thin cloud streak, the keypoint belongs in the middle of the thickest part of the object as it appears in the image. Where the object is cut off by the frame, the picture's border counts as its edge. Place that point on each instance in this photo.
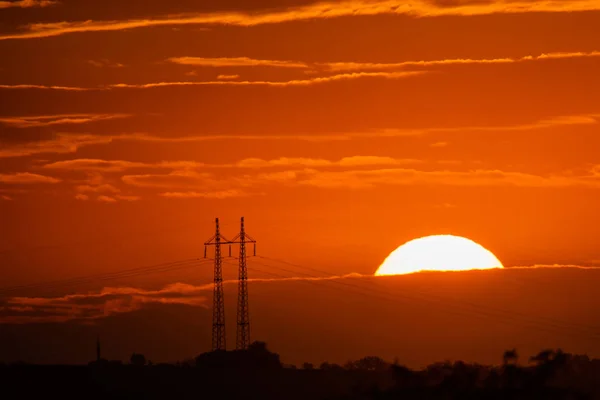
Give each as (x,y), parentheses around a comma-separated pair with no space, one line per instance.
(59,119)
(219,195)
(97,165)
(27,3)
(295,82)
(365,66)
(345,71)
(117,300)
(106,199)
(235,62)
(47,87)
(355,66)
(316,162)
(71,143)
(90,306)
(227,77)
(322,10)
(26,178)
(553,266)
(192,184)
(62,143)
(103,188)
(367,179)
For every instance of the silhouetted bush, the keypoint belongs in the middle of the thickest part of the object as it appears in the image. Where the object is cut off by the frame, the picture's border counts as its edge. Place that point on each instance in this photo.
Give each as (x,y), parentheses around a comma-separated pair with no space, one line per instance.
(257,356)
(138,359)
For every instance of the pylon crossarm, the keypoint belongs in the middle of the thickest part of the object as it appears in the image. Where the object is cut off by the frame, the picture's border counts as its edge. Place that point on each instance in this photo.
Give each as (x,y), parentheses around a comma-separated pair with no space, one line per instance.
(209,241)
(223,240)
(237,240)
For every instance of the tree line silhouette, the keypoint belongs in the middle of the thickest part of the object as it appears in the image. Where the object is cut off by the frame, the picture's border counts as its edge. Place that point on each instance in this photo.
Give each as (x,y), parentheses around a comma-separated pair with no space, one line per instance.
(258,373)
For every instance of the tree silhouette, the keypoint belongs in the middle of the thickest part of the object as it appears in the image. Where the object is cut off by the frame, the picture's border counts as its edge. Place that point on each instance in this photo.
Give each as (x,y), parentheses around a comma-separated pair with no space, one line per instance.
(548,362)
(510,357)
(330,367)
(511,376)
(543,357)
(371,363)
(308,366)
(138,359)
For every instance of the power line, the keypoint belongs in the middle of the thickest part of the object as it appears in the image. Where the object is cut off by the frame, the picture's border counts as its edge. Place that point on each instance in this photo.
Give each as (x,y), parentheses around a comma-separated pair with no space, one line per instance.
(474,305)
(532,323)
(157,268)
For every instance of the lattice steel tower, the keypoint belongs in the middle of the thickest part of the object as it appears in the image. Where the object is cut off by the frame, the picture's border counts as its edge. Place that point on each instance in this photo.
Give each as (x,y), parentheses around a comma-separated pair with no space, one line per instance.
(218,327)
(243,315)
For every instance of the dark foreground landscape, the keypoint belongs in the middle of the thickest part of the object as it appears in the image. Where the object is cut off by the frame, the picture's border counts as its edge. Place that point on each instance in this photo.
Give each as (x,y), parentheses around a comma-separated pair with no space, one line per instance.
(258,373)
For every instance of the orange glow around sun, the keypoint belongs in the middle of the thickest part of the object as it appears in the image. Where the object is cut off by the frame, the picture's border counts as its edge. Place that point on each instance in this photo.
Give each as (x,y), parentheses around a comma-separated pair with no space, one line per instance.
(438,253)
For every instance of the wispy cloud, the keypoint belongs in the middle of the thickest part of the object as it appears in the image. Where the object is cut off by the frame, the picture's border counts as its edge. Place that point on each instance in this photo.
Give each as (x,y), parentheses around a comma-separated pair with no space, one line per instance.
(86,164)
(439,144)
(62,143)
(568,120)
(341,71)
(109,301)
(104,63)
(351,161)
(127,198)
(47,87)
(362,179)
(552,266)
(59,119)
(103,188)
(70,143)
(106,199)
(181,179)
(321,10)
(350,66)
(194,184)
(357,66)
(27,3)
(227,77)
(235,62)
(220,194)
(117,300)
(294,82)
(98,165)
(26,178)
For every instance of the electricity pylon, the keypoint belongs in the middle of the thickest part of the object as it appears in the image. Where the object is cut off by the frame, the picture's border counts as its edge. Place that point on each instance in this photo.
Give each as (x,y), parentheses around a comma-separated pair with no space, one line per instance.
(218,326)
(243,315)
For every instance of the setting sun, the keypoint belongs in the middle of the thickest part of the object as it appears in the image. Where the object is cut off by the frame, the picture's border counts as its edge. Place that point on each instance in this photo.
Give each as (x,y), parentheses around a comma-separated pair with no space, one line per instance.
(438,253)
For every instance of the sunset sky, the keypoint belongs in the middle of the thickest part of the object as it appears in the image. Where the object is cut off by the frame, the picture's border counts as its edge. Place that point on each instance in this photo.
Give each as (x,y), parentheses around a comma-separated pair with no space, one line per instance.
(339,130)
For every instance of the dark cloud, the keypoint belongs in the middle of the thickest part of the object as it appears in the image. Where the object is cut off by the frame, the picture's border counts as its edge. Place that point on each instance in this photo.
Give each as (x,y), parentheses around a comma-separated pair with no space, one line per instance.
(91,306)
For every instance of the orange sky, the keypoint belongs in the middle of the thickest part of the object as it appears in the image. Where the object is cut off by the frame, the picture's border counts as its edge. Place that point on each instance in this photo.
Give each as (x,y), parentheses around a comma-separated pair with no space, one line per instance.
(339,130)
